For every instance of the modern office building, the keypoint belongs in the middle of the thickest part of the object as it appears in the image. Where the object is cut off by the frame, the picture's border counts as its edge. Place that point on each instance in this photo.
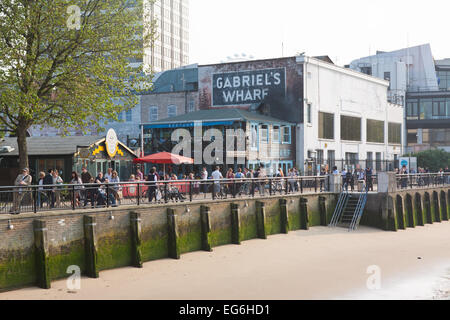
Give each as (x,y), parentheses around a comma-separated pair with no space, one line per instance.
(170,50)
(422,85)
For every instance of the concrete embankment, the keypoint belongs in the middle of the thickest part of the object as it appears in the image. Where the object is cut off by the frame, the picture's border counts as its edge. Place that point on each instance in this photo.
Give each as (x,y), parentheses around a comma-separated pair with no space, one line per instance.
(38,249)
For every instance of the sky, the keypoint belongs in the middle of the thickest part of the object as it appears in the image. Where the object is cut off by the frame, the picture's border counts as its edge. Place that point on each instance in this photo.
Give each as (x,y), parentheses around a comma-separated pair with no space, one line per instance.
(342,29)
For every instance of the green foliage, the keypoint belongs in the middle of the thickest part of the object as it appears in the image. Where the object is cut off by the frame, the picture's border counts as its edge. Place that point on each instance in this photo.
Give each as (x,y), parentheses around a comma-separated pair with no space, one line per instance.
(57,72)
(434,160)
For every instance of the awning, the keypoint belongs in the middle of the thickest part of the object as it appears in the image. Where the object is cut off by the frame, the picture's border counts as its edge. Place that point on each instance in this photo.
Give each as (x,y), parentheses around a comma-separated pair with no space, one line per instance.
(187,125)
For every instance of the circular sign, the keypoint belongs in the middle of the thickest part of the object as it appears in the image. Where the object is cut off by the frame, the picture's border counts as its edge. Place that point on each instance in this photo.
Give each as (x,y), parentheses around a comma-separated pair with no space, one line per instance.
(111,143)
(404,163)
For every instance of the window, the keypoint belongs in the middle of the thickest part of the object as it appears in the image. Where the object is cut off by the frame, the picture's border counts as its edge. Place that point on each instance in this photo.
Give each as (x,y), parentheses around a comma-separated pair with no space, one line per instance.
(412,109)
(350,128)
(120,116)
(264,133)
(191,106)
(254,136)
(378,164)
(367,70)
(387,76)
(331,158)
(326,125)
(369,160)
(286,135)
(351,158)
(276,134)
(375,131)
(153,114)
(129,115)
(412,136)
(395,133)
(319,157)
(309,113)
(171,111)
(439,109)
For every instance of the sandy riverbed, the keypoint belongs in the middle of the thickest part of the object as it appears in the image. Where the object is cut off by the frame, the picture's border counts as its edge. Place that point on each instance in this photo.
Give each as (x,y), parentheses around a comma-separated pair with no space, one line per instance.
(321,263)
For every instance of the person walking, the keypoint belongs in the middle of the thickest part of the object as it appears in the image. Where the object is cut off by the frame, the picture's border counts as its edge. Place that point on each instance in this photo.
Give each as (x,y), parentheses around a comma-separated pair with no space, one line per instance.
(24,179)
(369,180)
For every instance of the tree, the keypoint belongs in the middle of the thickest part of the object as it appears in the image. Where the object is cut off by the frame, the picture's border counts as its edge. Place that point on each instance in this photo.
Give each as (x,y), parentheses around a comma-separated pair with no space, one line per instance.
(66,64)
(434,160)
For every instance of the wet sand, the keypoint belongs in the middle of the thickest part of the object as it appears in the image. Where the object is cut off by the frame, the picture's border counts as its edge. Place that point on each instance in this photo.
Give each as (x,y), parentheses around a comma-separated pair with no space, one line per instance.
(321,263)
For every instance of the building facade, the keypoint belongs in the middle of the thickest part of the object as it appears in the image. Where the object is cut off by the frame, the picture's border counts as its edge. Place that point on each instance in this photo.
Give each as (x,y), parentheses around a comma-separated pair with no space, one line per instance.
(171,48)
(340,116)
(422,85)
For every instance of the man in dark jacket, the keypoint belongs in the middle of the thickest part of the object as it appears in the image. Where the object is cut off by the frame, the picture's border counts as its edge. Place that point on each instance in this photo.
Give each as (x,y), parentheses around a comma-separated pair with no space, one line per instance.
(48,180)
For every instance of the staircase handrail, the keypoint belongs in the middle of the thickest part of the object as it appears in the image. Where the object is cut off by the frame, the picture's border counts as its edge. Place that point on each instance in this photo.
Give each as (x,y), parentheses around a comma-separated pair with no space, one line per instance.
(340,206)
(359,208)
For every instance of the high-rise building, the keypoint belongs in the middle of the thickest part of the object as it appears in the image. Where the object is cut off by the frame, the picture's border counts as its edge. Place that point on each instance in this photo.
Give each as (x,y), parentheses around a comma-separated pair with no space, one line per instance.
(170,49)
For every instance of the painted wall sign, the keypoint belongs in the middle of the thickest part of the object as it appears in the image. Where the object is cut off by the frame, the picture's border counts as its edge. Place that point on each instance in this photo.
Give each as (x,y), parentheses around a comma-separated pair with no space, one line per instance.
(111,143)
(248,87)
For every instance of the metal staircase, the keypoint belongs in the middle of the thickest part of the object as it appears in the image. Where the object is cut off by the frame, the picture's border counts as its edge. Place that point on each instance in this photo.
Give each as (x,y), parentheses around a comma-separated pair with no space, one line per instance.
(349,210)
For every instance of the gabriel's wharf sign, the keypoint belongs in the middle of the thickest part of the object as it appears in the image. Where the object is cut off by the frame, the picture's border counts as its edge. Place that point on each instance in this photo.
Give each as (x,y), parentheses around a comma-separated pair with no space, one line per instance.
(248,87)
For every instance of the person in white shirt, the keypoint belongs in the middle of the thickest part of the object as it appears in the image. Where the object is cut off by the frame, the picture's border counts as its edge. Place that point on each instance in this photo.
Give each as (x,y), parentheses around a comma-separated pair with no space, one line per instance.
(217,175)
(204,177)
(109,175)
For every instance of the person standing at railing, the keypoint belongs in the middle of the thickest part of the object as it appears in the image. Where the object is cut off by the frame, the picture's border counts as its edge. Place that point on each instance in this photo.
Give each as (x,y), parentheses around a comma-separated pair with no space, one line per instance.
(139,175)
(57,180)
(108,174)
(40,193)
(48,180)
(24,179)
(404,178)
(85,179)
(230,176)
(204,177)
(369,179)
(79,186)
(153,179)
(116,189)
(291,180)
(216,175)
(262,175)
(447,173)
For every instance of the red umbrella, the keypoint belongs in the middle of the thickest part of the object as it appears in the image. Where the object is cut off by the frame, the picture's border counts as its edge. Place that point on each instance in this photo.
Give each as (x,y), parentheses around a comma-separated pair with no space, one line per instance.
(164,158)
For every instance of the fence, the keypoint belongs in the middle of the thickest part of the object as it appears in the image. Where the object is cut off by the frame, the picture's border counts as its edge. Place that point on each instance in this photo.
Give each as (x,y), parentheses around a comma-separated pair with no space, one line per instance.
(422,180)
(35,199)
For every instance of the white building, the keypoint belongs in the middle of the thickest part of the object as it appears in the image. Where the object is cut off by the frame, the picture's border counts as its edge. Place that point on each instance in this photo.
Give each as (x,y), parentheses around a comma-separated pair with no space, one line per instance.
(347,116)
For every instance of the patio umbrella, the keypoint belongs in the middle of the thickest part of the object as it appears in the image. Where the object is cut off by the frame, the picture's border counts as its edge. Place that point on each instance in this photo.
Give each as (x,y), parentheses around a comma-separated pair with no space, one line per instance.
(165,158)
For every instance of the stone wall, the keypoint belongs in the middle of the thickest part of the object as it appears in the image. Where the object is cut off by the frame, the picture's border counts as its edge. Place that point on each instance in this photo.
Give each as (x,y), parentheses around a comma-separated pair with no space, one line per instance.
(38,249)
(407,209)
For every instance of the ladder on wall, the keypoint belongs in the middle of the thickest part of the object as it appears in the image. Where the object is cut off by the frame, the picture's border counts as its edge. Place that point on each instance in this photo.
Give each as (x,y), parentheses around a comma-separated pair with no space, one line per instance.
(349,210)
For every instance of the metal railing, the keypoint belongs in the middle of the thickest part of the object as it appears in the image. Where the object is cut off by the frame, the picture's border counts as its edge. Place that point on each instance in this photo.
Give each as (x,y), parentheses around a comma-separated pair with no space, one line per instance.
(343,197)
(22,199)
(359,209)
(422,180)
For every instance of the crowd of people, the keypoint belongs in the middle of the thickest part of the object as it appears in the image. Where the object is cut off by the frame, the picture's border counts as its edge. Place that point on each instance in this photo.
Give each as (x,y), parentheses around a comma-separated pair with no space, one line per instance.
(105,189)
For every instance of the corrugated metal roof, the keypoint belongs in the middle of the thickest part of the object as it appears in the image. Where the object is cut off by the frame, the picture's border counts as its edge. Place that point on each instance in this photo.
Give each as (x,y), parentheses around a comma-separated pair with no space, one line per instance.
(222,114)
(50,145)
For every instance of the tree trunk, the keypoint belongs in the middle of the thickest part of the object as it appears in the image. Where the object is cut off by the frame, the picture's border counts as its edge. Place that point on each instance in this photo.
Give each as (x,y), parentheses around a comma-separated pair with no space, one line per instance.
(23,148)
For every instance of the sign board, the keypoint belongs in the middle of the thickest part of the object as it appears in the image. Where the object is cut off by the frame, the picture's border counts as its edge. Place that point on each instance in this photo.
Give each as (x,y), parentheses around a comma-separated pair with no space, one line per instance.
(111,143)
(84,153)
(248,87)
(410,163)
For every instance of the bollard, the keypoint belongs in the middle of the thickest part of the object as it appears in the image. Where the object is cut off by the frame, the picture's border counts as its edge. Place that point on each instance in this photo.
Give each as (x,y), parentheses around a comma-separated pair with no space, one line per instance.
(235,224)
(205,214)
(261,220)
(173,245)
(284,216)
(304,219)
(136,239)
(90,240)
(42,254)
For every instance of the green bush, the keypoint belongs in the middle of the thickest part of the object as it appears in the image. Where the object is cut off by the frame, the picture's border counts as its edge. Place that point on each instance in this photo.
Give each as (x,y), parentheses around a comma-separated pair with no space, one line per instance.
(434,160)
